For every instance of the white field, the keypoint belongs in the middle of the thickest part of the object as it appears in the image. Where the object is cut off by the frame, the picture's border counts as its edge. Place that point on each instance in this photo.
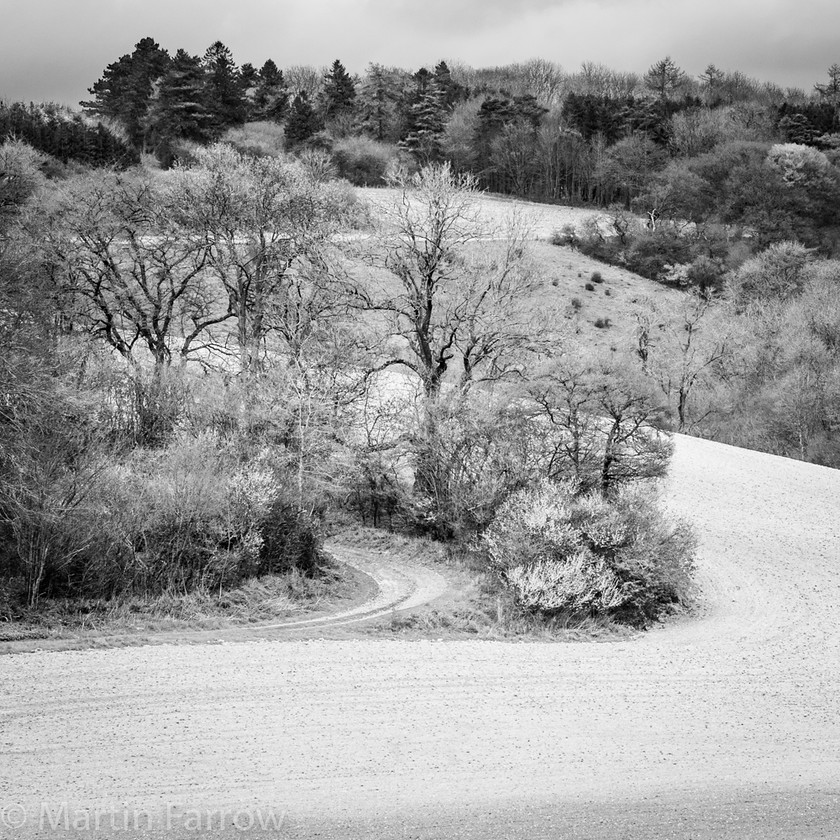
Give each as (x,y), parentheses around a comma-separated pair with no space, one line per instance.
(726,725)
(543,219)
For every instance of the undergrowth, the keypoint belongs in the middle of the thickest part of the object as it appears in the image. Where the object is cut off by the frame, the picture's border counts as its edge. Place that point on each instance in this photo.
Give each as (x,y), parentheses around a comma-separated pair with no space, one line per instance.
(478,605)
(256,600)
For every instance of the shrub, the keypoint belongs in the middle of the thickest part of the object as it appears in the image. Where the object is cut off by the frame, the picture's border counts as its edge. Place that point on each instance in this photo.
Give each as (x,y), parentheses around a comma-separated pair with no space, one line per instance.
(577,303)
(559,551)
(652,252)
(566,236)
(596,277)
(258,139)
(607,292)
(589,287)
(363,161)
(187,517)
(603,323)
(474,453)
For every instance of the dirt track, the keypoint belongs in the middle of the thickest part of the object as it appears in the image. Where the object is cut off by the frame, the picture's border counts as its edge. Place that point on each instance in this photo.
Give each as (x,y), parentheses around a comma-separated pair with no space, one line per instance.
(722,726)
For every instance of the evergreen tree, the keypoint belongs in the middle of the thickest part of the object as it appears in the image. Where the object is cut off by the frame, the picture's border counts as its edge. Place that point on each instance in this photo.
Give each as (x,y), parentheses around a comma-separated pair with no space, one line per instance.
(498,116)
(64,135)
(223,88)
(425,118)
(124,93)
(180,108)
(449,91)
(302,121)
(338,96)
(379,95)
(271,97)
(248,75)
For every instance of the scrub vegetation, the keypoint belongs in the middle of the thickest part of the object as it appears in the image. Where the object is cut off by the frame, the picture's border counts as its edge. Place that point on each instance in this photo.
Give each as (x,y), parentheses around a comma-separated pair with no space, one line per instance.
(216,351)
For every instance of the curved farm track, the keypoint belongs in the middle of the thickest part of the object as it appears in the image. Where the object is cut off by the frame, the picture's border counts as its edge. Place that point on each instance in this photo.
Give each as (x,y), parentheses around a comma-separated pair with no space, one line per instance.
(723,726)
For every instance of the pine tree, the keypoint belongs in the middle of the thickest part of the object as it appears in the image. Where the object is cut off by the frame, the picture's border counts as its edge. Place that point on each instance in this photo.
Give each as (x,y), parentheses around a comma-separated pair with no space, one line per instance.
(378,98)
(338,96)
(271,97)
(223,88)
(124,93)
(248,78)
(449,91)
(302,121)
(425,118)
(180,108)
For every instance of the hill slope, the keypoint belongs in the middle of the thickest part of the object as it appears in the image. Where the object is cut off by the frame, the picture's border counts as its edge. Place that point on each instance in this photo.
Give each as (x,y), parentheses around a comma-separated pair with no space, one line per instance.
(726,726)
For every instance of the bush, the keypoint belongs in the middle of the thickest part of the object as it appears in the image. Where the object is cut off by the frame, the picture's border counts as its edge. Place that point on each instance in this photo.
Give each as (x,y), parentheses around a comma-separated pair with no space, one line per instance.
(566,236)
(576,304)
(589,287)
(190,516)
(596,277)
(473,454)
(258,139)
(603,323)
(559,551)
(363,161)
(651,253)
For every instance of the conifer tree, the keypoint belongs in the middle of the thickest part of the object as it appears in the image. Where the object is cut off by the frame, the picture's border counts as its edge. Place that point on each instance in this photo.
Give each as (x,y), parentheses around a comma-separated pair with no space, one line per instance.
(449,91)
(338,96)
(425,118)
(124,92)
(179,110)
(379,95)
(223,88)
(271,98)
(302,121)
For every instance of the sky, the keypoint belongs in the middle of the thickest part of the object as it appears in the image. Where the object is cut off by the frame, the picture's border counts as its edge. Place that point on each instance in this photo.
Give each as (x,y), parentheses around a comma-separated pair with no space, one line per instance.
(53,50)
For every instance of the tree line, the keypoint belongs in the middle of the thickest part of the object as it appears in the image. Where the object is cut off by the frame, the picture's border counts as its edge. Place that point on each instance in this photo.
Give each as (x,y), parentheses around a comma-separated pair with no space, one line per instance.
(65,136)
(530,129)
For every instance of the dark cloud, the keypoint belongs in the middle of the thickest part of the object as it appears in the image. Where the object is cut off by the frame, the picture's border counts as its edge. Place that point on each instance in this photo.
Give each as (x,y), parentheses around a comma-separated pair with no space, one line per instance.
(55,49)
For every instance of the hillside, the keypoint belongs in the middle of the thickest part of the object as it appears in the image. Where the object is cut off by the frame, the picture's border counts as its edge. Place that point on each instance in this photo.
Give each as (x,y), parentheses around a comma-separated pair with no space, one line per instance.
(564,272)
(720,727)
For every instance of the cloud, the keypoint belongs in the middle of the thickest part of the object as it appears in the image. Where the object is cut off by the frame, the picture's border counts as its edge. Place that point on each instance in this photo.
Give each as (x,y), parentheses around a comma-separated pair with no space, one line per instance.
(55,49)
(470,15)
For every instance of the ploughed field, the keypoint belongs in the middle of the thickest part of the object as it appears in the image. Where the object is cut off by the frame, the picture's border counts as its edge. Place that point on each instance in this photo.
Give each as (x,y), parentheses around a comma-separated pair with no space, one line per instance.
(724,725)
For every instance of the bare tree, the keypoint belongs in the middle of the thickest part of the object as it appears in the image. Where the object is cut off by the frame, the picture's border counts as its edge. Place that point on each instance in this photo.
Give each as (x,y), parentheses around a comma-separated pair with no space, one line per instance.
(136,276)
(268,228)
(460,288)
(664,79)
(602,423)
(457,292)
(303,78)
(683,348)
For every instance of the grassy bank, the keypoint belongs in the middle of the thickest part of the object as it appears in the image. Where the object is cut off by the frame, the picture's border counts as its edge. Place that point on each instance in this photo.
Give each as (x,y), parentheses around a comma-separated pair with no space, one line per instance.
(264,599)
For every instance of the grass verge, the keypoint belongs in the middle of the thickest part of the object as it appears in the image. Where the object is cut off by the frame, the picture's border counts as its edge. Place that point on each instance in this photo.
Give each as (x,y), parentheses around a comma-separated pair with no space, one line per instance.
(268,598)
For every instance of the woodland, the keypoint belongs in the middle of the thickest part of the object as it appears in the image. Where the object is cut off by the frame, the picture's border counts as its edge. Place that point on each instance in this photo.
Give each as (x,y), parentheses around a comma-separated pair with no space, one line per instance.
(216,350)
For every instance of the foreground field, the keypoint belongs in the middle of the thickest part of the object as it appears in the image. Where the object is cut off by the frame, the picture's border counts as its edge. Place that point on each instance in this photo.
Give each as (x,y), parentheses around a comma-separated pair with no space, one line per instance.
(724,726)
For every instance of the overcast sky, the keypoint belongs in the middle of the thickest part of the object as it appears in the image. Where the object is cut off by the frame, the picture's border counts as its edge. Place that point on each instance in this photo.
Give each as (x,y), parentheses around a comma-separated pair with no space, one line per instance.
(55,49)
